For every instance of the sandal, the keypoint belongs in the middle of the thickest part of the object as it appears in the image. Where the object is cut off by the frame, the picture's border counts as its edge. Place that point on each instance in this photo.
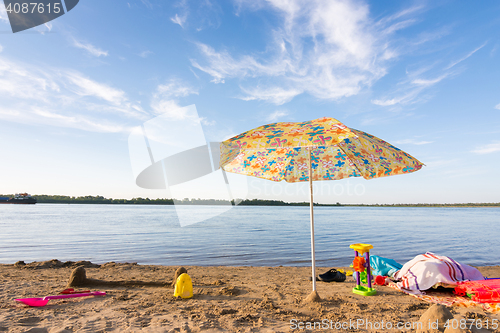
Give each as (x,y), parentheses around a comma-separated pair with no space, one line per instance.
(332,275)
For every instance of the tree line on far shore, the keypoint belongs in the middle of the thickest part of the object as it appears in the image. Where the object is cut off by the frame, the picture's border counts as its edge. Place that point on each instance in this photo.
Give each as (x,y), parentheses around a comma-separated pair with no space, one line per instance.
(88,199)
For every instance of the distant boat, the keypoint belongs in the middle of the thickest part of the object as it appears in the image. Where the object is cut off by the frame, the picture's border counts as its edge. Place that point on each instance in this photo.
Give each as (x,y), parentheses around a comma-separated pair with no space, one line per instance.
(19,198)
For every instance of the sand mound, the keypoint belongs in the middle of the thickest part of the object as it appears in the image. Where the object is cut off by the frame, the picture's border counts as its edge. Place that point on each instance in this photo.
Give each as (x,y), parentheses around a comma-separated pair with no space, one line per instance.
(229,291)
(434,319)
(218,282)
(313,297)
(55,263)
(178,272)
(438,318)
(78,277)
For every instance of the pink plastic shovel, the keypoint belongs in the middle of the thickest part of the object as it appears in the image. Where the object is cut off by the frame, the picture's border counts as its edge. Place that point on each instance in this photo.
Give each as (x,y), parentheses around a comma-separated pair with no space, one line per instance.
(42,301)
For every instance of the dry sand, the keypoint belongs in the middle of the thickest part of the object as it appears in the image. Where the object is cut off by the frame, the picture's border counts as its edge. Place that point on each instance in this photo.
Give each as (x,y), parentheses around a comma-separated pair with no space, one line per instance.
(226,299)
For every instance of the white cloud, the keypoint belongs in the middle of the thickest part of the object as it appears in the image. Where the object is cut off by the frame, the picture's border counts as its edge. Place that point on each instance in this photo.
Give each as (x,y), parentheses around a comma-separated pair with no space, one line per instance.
(349,52)
(45,116)
(165,98)
(412,142)
(180,20)
(86,87)
(276,95)
(175,88)
(494,50)
(408,96)
(467,56)
(147,3)
(46,27)
(415,86)
(22,83)
(429,36)
(273,117)
(401,14)
(145,54)
(3,14)
(207,122)
(488,149)
(222,65)
(90,48)
(387,102)
(409,90)
(167,106)
(81,122)
(56,97)
(429,82)
(9,112)
(497,107)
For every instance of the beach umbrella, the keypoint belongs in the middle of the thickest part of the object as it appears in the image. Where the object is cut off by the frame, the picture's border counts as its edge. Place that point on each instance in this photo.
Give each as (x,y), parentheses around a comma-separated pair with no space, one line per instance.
(320,149)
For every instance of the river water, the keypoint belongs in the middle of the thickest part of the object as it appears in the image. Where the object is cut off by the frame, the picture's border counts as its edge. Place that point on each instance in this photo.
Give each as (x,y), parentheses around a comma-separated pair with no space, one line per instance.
(244,235)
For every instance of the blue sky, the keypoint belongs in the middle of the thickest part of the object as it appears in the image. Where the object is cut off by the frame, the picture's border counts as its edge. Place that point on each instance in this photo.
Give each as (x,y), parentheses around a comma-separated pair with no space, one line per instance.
(422,75)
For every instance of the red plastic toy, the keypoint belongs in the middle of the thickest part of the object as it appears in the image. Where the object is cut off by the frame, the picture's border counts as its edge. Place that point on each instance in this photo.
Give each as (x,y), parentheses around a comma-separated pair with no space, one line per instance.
(380,280)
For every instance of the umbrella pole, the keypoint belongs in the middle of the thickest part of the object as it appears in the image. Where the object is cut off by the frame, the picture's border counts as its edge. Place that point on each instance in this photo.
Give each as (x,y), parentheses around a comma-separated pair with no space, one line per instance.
(313,259)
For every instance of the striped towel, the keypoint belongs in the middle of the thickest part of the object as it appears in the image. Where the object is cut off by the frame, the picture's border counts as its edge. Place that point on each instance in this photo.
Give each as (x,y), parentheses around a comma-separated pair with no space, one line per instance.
(429,269)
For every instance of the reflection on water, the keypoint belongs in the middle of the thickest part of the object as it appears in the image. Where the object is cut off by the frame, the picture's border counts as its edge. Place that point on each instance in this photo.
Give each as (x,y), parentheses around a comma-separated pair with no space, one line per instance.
(254,236)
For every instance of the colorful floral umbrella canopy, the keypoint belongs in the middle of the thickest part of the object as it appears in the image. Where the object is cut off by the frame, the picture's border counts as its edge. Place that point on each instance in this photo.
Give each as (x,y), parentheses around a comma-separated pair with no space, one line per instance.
(320,149)
(276,152)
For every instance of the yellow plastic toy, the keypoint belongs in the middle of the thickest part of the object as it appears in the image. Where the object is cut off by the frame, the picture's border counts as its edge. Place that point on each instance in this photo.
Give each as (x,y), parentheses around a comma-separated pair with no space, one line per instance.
(362,265)
(183,286)
(347,273)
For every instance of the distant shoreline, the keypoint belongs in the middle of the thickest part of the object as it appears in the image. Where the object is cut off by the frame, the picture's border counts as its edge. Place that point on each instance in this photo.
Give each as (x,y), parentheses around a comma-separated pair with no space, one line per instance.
(62,199)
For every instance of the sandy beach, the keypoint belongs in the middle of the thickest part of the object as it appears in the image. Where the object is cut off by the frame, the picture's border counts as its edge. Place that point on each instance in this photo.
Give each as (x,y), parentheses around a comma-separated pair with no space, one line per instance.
(226,299)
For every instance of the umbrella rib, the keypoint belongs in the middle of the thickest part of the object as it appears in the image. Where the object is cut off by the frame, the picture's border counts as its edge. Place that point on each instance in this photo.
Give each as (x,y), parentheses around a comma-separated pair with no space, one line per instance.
(347,154)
